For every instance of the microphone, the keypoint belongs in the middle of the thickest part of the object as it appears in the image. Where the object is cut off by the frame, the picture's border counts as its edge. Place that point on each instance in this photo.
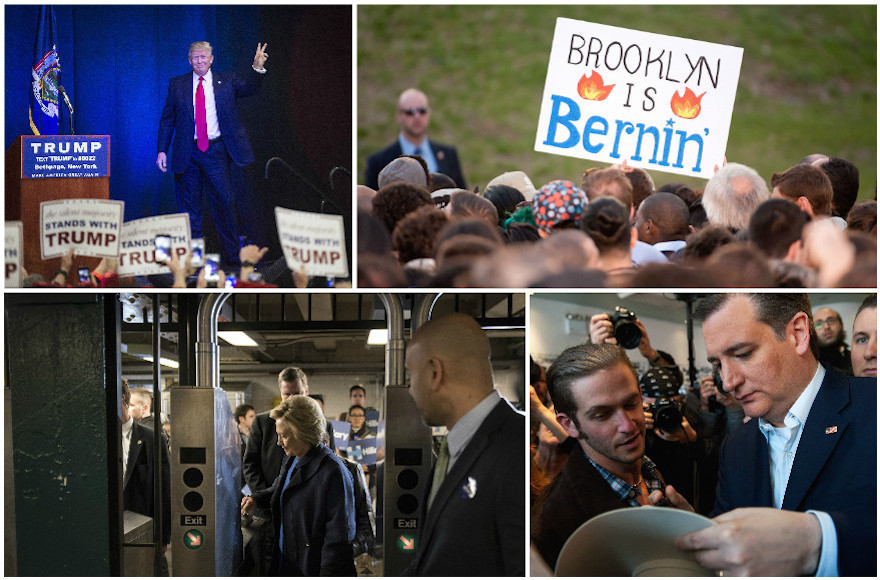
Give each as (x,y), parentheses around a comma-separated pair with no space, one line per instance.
(66,100)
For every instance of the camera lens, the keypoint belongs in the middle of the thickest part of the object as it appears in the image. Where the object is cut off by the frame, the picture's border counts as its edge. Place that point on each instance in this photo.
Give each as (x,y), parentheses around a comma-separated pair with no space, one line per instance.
(627,334)
(668,418)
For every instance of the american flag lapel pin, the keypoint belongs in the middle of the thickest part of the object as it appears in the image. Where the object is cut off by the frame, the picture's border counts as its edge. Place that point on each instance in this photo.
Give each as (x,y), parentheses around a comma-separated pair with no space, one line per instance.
(830,430)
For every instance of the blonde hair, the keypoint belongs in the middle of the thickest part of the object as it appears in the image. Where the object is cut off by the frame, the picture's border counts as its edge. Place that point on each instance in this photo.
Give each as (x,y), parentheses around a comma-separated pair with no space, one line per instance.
(200,45)
(303,417)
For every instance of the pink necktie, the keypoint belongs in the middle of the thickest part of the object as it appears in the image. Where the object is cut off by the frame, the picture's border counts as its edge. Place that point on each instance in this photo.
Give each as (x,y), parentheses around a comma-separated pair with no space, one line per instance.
(201,118)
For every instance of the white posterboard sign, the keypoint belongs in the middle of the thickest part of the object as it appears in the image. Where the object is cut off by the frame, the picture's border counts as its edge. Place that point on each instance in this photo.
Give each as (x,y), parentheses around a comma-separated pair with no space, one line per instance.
(90,226)
(313,241)
(137,256)
(658,102)
(14,254)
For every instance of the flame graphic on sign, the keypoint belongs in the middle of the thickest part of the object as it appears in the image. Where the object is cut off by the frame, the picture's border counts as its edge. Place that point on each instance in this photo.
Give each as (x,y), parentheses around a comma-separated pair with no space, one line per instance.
(593,88)
(686,106)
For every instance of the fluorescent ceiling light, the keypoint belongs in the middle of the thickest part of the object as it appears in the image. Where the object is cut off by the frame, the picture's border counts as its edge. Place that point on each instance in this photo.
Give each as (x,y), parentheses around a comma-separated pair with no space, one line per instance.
(236,338)
(378,336)
(165,362)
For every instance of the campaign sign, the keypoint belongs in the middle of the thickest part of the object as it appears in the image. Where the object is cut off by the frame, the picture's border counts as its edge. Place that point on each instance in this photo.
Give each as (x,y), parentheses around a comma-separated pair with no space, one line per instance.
(14,254)
(372,420)
(138,253)
(313,241)
(363,450)
(341,431)
(658,102)
(90,226)
(65,156)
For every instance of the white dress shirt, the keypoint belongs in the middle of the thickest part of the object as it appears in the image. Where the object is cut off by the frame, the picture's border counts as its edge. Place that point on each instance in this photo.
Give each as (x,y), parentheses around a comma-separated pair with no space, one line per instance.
(210,106)
(126,443)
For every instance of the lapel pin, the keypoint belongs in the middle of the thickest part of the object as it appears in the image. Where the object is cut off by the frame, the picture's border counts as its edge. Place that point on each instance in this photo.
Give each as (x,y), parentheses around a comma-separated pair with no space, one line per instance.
(139,441)
(830,430)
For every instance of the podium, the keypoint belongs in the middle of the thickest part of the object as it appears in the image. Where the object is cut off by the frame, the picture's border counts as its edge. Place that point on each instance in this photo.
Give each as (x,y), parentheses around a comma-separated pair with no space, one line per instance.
(24,196)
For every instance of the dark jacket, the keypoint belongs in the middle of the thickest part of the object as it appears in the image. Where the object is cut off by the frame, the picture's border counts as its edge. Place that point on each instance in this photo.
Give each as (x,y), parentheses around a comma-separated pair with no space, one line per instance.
(318,515)
(262,456)
(178,120)
(446,156)
(834,470)
(578,493)
(476,524)
(137,483)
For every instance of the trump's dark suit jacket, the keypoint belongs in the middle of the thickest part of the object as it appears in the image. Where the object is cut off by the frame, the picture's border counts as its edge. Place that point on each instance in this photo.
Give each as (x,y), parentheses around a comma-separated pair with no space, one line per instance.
(137,483)
(446,156)
(476,524)
(178,119)
(835,469)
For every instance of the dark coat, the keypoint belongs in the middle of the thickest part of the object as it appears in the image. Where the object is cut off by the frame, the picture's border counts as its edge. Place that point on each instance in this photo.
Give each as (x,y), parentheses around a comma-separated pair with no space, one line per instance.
(834,471)
(318,515)
(262,456)
(178,119)
(476,524)
(578,493)
(446,156)
(137,483)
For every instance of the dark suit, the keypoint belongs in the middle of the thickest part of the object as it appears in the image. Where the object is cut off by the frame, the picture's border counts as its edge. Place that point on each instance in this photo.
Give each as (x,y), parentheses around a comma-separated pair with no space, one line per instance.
(318,514)
(834,471)
(137,483)
(190,165)
(579,493)
(262,456)
(446,156)
(476,524)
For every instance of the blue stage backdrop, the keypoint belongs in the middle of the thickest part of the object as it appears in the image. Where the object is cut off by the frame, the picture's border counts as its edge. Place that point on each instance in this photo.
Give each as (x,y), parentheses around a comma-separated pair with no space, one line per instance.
(116,62)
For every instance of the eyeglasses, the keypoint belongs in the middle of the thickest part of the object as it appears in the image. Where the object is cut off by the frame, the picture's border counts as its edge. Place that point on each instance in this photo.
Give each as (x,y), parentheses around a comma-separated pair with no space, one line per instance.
(820,323)
(357,416)
(412,111)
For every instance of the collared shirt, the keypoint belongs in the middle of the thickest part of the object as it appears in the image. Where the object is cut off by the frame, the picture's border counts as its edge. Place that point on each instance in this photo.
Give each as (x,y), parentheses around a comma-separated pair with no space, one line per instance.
(466,427)
(782,445)
(126,442)
(629,493)
(643,253)
(210,106)
(670,246)
(407,148)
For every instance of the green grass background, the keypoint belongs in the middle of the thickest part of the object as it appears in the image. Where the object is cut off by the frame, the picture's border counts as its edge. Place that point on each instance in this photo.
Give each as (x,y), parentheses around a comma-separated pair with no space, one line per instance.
(808,82)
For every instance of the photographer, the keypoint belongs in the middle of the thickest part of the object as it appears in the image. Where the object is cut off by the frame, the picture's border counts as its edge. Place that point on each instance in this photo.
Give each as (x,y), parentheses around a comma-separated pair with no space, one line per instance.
(602,329)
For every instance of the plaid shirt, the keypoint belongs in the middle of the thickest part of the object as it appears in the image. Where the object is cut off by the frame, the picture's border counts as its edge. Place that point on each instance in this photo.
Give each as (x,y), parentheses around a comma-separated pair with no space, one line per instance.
(626,491)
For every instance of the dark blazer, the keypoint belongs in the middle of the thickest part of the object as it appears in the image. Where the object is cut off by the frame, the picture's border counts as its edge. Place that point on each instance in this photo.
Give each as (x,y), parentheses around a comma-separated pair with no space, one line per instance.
(137,483)
(262,456)
(476,525)
(178,119)
(579,493)
(318,515)
(835,469)
(446,156)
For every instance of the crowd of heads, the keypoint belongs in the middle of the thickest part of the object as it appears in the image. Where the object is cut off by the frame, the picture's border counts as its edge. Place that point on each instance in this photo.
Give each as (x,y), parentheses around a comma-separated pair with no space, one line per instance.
(616,228)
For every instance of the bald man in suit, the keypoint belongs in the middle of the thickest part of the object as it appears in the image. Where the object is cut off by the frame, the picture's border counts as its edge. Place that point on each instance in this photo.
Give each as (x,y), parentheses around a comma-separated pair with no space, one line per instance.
(474,519)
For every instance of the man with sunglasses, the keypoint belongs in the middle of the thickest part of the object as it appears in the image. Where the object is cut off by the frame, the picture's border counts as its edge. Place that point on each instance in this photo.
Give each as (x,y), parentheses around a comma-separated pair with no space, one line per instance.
(413,117)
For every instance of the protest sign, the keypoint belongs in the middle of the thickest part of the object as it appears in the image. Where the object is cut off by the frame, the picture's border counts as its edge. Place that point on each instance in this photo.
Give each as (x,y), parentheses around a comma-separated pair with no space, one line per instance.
(138,253)
(313,241)
(658,102)
(90,226)
(372,419)
(14,254)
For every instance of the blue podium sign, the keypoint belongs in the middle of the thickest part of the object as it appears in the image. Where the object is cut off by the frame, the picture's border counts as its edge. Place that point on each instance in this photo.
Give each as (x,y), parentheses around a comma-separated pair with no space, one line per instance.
(65,156)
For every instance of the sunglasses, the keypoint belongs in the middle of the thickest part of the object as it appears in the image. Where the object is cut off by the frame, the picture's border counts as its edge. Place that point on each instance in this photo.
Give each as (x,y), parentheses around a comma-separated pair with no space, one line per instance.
(412,111)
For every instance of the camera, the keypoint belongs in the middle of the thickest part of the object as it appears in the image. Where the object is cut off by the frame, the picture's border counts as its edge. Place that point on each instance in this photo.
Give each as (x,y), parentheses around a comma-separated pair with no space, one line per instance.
(626,331)
(667,415)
